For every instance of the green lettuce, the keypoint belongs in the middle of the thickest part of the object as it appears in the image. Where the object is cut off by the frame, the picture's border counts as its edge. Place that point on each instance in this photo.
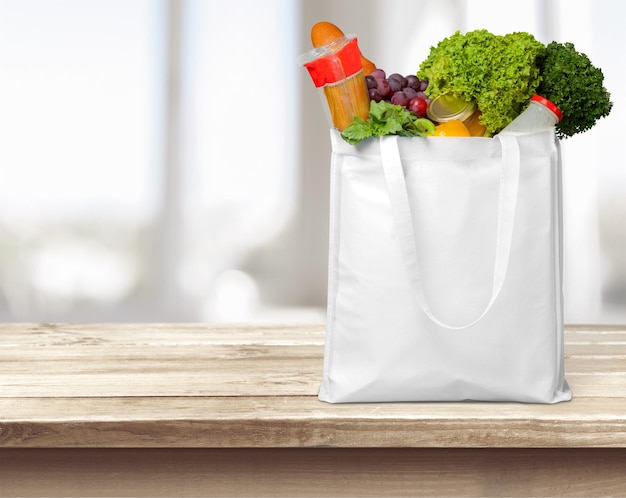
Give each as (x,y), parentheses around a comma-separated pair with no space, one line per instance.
(499,72)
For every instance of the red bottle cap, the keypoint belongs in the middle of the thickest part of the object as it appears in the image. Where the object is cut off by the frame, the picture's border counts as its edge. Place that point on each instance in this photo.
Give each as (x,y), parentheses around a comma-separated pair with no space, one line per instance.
(542,100)
(337,61)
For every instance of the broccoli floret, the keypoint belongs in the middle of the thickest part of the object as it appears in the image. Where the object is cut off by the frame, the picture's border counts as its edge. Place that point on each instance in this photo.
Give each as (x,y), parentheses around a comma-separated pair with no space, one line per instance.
(572,83)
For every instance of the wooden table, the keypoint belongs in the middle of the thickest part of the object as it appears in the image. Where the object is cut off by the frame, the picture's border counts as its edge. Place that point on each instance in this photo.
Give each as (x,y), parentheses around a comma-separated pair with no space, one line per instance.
(200,410)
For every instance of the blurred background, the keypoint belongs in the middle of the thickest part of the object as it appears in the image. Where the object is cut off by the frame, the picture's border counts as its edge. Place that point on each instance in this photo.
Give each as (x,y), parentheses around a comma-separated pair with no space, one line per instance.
(167,160)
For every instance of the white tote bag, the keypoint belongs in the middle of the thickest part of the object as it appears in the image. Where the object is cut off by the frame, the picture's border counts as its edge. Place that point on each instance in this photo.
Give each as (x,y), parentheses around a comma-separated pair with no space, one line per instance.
(445,271)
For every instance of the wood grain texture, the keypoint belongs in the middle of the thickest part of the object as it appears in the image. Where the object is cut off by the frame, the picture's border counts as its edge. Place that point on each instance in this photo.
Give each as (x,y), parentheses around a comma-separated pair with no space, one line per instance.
(313,472)
(246,386)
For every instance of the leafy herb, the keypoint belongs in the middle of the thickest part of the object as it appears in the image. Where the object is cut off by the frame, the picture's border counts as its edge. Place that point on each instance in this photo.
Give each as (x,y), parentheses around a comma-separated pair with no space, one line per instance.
(575,86)
(387,119)
(499,72)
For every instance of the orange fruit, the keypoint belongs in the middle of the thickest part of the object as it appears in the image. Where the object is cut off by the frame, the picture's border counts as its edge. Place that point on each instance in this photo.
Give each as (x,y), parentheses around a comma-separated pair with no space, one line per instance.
(324,32)
(452,128)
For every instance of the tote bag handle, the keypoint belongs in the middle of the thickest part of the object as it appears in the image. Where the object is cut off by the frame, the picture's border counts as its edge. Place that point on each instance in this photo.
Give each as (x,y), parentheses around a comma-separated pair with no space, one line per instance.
(507,201)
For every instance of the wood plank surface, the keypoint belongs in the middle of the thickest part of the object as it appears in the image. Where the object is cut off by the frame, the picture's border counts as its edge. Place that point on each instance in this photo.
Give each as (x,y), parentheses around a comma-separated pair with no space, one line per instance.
(223,422)
(221,386)
(316,473)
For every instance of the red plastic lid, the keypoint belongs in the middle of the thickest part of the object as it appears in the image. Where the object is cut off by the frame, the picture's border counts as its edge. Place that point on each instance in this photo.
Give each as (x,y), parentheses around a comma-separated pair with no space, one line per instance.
(342,60)
(549,105)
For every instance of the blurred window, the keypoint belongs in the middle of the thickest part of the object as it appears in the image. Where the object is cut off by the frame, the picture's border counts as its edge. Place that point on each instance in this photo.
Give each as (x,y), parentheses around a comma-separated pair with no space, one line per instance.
(167,160)
(80,96)
(146,149)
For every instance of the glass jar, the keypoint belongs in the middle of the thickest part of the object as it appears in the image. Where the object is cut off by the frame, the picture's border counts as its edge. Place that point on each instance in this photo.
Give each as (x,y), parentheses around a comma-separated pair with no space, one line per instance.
(447,107)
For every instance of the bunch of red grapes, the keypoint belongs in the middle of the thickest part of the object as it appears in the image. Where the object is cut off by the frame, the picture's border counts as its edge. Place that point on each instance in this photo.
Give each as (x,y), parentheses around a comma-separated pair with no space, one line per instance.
(407,91)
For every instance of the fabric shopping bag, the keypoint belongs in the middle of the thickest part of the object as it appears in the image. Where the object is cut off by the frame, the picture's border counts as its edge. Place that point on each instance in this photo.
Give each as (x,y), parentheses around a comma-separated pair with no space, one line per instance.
(445,270)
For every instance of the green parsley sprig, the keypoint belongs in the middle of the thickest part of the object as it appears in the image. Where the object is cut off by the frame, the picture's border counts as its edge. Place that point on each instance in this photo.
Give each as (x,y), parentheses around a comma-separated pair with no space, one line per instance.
(387,119)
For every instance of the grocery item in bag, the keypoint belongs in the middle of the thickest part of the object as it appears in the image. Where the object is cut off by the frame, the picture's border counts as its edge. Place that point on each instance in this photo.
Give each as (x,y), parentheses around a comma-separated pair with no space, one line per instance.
(337,72)
(540,115)
(448,107)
